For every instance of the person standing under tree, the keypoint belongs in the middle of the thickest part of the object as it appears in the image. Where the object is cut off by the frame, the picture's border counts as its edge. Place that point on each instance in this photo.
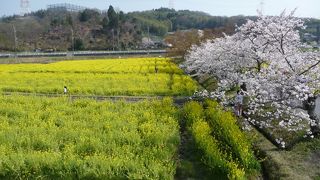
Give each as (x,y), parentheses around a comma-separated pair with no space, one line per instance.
(239,103)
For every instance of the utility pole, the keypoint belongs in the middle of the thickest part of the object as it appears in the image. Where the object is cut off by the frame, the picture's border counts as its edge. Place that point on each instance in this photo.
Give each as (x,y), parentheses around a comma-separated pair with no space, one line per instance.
(112,30)
(15,39)
(72,34)
(149,40)
(25,7)
(171,25)
(148,34)
(171,4)
(118,38)
(262,6)
(318,34)
(72,41)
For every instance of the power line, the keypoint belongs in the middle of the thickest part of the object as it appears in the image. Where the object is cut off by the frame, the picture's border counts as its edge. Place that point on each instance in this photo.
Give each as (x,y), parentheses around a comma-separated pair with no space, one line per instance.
(66,6)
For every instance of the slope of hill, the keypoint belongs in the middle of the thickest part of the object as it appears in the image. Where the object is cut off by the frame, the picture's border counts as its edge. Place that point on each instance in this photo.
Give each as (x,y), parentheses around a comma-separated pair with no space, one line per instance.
(52,30)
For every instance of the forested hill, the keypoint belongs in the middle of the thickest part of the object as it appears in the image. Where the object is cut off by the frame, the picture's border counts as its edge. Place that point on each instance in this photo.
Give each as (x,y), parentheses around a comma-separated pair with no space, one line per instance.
(171,20)
(60,30)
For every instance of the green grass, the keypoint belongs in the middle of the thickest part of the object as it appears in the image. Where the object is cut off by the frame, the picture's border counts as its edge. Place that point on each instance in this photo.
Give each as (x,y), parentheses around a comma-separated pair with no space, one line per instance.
(300,162)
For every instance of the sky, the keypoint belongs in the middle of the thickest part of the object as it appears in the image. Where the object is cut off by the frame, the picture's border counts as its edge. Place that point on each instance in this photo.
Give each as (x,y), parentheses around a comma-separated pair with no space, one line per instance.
(305,8)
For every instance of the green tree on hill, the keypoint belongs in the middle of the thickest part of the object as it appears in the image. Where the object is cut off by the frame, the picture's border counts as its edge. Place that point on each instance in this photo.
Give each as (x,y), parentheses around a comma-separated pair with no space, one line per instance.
(88,14)
(78,44)
(113,18)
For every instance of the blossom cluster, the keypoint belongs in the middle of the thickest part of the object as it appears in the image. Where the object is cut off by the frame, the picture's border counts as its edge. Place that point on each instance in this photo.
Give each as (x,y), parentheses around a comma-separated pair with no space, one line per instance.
(280,71)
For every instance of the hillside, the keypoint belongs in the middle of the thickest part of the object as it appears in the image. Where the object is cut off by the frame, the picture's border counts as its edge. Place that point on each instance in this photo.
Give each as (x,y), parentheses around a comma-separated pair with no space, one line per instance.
(53,30)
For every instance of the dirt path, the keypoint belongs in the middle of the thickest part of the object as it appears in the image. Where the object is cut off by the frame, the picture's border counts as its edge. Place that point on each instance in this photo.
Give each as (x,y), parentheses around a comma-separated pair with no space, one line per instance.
(190,165)
(178,100)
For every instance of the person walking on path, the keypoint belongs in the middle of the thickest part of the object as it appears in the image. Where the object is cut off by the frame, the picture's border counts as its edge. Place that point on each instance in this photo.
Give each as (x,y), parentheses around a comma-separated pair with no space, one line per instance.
(65,90)
(239,103)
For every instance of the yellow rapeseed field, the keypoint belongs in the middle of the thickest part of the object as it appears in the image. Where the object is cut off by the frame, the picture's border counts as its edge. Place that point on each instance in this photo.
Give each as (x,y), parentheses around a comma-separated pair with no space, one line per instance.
(64,138)
(55,138)
(133,76)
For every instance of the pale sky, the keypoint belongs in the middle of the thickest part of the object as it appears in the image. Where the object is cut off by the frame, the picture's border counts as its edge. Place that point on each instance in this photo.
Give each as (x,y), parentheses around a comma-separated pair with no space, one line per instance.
(306,8)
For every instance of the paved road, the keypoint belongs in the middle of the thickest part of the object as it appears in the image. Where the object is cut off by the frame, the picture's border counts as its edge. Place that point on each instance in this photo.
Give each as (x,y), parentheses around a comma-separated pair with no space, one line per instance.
(80,53)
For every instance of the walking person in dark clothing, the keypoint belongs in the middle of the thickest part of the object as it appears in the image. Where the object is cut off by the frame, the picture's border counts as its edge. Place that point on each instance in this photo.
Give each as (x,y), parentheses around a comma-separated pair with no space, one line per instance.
(65,90)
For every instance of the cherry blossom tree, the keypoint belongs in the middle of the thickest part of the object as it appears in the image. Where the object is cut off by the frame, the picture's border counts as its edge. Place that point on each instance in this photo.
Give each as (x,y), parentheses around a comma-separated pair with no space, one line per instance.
(279,70)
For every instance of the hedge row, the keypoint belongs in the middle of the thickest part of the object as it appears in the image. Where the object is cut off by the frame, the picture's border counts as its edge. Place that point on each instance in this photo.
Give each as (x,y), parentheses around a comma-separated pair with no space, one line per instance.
(226,130)
(225,148)
(213,156)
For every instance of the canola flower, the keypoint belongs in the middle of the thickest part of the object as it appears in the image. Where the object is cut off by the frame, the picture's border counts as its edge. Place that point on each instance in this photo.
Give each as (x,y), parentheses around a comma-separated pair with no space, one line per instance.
(55,138)
(131,77)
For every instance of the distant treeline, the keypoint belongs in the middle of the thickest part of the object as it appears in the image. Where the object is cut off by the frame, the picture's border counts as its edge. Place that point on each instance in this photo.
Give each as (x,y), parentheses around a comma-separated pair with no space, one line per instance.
(60,30)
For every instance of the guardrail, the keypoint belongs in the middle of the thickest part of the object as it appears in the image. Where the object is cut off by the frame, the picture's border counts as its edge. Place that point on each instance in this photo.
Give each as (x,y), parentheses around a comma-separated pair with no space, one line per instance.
(80,53)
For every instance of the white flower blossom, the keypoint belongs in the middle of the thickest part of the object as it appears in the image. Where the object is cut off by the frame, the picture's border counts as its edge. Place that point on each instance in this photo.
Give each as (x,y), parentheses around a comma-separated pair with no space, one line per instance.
(266,54)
